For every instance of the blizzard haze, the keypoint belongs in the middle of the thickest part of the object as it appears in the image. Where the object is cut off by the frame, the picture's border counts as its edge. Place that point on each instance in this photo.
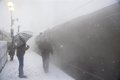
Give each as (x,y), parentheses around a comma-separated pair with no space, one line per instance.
(39,15)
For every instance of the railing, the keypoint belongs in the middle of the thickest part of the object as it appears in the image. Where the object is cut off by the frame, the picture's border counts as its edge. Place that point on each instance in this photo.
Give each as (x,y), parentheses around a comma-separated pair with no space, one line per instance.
(3,54)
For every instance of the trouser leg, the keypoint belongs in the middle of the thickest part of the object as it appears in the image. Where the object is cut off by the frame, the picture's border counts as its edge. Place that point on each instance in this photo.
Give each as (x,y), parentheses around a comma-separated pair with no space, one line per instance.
(46,63)
(21,59)
(10,57)
(13,55)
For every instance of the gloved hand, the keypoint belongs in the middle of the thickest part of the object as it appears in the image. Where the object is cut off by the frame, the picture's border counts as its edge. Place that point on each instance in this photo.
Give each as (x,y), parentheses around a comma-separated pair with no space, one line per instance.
(27,47)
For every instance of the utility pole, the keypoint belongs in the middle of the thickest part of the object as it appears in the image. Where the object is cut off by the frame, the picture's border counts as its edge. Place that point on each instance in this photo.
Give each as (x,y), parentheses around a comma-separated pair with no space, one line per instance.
(11,9)
(18,28)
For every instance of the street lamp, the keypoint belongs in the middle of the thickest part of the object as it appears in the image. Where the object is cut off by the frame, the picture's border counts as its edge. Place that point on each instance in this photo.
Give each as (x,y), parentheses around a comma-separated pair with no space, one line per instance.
(11,9)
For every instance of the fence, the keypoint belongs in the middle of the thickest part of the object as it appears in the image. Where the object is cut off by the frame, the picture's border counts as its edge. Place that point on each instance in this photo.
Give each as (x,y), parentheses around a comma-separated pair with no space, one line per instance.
(3,54)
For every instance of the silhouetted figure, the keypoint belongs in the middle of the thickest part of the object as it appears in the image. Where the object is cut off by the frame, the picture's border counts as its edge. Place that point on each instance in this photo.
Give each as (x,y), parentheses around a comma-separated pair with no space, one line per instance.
(45,48)
(20,54)
(11,50)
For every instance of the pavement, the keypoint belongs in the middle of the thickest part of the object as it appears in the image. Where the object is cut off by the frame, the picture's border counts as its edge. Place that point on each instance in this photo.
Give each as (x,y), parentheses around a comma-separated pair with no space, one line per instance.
(33,69)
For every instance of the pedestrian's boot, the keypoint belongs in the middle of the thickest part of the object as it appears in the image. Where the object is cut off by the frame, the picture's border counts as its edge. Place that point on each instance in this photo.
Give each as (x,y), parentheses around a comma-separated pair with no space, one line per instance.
(21,73)
(22,76)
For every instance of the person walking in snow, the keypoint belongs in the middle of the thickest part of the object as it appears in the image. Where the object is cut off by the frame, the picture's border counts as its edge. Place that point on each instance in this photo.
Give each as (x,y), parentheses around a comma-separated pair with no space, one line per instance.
(11,50)
(46,48)
(20,55)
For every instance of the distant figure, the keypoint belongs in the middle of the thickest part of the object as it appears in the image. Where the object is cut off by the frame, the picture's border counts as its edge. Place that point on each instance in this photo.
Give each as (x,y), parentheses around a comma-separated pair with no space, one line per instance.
(11,50)
(46,48)
(20,55)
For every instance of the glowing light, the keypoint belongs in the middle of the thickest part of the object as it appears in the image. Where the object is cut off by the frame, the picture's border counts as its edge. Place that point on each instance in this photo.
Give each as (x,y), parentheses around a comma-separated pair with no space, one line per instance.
(10,6)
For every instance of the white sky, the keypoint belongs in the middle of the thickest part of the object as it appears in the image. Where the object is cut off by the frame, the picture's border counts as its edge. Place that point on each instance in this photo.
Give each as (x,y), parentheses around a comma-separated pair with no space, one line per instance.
(37,15)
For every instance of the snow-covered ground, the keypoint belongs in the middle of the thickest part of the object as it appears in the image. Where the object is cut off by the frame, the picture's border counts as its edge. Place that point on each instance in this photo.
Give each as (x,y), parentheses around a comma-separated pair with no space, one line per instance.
(33,69)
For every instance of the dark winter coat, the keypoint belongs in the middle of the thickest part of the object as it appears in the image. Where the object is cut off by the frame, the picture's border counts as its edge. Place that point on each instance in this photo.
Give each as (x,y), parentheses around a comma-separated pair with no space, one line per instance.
(21,49)
(11,49)
(45,47)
